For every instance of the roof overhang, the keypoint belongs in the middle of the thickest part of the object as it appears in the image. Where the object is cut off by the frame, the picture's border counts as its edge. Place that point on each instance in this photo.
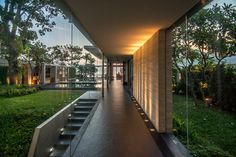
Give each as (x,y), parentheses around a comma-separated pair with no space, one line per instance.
(94,50)
(119,28)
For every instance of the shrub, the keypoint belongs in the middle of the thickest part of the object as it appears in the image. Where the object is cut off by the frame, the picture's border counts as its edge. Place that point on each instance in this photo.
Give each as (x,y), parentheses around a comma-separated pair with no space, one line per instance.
(226,100)
(16,90)
(198,146)
(228,88)
(3,76)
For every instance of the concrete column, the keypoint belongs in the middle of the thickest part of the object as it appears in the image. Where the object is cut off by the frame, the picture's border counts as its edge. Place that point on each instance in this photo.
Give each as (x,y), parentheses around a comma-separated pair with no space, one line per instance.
(27,74)
(126,73)
(43,74)
(53,74)
(111,72)
(108,73)
(165,81)
(103,75)
(56,81)
(68,73)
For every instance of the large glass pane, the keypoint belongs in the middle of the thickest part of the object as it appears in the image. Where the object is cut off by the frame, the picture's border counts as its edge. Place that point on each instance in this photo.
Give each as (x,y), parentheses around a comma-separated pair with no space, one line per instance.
(204,76)
(44,69)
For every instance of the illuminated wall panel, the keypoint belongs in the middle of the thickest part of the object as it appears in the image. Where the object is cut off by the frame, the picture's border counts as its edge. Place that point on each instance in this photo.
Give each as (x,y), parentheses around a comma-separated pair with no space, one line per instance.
(152,80)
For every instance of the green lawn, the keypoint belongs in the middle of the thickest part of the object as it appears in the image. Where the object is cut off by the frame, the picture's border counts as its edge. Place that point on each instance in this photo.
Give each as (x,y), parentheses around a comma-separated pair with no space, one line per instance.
(20,115)
(212,132)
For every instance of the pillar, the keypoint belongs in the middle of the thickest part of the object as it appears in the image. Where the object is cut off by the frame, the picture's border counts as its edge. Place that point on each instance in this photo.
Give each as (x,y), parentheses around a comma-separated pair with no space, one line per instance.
(43,74)
(111,72)
(103,75)
(27,74)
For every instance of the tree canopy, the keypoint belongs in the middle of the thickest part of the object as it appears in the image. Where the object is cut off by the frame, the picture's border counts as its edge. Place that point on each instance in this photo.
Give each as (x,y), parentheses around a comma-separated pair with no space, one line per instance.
(17,21)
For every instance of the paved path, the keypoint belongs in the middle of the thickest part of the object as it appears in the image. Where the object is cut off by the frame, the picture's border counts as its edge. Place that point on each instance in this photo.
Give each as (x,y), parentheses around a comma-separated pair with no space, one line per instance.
(117,130)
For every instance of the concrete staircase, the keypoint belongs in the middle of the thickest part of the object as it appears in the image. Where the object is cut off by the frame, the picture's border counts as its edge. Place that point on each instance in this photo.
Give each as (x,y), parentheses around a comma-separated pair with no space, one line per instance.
(75,121)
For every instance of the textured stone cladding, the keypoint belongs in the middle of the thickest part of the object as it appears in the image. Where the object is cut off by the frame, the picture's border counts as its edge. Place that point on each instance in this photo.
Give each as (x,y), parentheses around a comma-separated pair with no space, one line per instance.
(152,80)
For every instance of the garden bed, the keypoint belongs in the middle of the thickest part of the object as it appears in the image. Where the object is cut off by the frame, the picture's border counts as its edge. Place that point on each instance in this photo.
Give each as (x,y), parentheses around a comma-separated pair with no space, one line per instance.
(16,90)
(20,115)
(211,132)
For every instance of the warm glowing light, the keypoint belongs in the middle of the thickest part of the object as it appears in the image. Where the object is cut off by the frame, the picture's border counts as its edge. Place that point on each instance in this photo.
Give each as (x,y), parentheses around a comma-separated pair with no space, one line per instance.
(139,40)
(203,85)
(51,149)
(208,100)
(8,80)
(138,44)
(16,81)
(203,2)
(152,130)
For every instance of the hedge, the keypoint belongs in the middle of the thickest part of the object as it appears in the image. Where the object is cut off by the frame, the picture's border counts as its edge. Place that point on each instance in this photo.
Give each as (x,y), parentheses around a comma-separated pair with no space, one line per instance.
(16,90)
(3,76)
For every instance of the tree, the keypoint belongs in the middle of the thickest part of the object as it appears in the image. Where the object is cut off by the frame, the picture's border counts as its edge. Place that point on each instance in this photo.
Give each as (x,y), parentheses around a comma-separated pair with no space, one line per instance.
(225,39)
(202,35)
(17,19)
(184,58)
(211,38)
(66,54)
(88,70)
(36,54)
(88,58)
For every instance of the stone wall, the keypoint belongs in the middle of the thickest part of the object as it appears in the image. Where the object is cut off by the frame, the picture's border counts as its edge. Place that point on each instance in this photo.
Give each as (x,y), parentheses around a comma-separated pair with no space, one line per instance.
(152,80)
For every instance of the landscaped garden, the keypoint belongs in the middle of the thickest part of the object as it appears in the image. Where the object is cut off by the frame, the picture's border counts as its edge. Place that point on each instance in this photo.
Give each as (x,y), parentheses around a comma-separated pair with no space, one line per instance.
(212,133)
(204,81)
(20,115)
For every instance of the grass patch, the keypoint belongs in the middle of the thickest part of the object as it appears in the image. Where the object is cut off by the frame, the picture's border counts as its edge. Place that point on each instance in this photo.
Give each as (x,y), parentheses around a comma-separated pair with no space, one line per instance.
(20,115)
(212,133)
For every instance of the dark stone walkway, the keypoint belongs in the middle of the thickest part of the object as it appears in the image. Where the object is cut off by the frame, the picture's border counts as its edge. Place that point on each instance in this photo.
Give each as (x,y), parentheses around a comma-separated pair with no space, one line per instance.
(117,130)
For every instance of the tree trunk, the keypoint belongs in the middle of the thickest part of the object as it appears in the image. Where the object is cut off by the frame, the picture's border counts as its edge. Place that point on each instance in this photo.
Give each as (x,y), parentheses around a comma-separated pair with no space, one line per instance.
(13,71)
(13,65)
(191,84)
(219,86)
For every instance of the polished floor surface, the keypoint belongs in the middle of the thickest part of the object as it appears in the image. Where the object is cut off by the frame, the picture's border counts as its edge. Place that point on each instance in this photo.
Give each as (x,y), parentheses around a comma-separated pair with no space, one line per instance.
(117,130)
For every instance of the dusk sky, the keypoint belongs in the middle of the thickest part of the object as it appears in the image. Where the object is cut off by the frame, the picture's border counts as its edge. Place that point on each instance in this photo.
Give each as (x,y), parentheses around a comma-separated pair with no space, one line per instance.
(61,33)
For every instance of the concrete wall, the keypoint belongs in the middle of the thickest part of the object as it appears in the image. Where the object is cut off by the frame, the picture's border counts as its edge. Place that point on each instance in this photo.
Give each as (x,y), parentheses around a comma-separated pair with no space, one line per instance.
(152,80)
(46,134)
(27,74)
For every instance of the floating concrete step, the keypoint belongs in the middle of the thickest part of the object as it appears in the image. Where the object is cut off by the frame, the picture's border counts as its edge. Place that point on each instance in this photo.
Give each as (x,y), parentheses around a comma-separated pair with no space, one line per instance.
(77,119)
(57,152)
(68,134)
(80,113)
(85,103)
(92,100)
(63,143)
(83,108)
(73,126)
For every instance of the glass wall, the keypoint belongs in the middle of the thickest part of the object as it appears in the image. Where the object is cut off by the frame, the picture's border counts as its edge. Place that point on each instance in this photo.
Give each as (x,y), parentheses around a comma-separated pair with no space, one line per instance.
(43,68)
(204,77)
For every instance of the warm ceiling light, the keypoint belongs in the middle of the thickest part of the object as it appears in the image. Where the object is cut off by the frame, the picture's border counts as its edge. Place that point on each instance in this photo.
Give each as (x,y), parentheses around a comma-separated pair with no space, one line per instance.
(152,130)
(141,40)
(203,2)
(51,149)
